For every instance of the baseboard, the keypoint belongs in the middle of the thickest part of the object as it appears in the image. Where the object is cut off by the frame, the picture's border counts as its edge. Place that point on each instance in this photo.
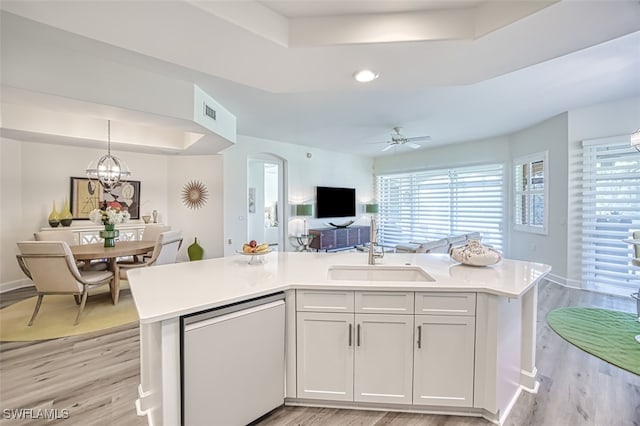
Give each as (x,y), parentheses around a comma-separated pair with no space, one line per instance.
(528,380)
(14,285)
(577,285)
(503,415)
(402,408)
(564,281)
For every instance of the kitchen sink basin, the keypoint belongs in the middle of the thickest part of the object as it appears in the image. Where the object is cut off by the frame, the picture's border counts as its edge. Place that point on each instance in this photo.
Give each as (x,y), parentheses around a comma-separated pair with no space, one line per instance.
(378,273)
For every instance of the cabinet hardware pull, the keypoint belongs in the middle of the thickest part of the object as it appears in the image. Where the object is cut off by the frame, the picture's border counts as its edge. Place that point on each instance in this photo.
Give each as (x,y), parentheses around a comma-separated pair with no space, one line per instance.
(419,336)
(358,335)
(350,333)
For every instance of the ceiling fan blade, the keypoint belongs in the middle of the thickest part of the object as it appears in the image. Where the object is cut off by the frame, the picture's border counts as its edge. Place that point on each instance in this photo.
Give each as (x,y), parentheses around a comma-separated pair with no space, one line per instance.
(419,139)
(412,145)
(387,147)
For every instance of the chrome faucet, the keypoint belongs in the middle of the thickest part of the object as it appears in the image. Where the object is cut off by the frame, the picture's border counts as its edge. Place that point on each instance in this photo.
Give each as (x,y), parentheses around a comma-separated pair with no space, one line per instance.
(372,243)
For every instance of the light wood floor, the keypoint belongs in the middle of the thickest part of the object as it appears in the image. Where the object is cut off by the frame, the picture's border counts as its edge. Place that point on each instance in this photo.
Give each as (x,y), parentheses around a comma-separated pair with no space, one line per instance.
(96,376)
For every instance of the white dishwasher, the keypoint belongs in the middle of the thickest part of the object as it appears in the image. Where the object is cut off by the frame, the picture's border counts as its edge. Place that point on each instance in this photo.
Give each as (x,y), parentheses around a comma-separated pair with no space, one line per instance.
(233,362)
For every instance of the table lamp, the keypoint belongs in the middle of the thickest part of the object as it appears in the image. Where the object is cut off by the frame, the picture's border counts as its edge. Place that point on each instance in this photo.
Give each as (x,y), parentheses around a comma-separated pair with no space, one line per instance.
(371,208)
(304,210)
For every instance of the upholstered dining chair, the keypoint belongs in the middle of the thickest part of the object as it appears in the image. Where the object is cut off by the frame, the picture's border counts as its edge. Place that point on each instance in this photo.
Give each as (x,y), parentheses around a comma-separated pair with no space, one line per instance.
(72,239)
(165,251)
(53,270)
(151,233)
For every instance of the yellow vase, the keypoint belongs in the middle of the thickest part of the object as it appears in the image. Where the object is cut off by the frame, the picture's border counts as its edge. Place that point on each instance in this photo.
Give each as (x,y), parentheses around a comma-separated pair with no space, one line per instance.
(54,219)
(65,215)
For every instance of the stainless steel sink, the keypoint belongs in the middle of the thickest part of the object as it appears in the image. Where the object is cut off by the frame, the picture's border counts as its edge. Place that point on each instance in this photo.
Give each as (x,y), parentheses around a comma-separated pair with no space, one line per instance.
(378,273)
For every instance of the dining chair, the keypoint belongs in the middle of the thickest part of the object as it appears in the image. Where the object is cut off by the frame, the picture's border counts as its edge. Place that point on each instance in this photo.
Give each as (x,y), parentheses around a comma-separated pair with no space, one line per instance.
(151,233)
(53,270)
(165,251)
(72,239)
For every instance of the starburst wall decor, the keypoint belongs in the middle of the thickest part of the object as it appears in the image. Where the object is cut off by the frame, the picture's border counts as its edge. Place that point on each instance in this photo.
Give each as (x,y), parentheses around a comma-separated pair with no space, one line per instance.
(194,194)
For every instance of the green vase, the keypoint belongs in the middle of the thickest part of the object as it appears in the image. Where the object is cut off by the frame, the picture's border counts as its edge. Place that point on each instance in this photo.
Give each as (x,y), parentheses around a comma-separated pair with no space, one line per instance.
(109,234)
(54,219)
(65,215)
(195,251)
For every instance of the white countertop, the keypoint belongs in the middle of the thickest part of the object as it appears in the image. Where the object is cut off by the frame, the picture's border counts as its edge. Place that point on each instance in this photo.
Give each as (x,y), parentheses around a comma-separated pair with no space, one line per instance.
(167,291)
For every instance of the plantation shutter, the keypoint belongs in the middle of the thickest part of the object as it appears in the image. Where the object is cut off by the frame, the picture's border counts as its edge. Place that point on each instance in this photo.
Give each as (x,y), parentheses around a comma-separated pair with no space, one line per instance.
(610,214)
(432,204)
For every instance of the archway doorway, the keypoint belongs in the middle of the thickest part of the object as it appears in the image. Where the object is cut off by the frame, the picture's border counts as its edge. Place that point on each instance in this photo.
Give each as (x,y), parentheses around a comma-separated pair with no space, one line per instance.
(266,189)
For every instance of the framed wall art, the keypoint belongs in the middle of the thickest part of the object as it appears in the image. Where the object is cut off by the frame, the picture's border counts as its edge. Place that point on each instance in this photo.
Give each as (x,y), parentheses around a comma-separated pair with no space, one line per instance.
(86,195)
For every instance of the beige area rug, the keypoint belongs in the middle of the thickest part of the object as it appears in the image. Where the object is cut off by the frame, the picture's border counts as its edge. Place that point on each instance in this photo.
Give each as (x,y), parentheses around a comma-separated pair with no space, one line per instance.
(58,313)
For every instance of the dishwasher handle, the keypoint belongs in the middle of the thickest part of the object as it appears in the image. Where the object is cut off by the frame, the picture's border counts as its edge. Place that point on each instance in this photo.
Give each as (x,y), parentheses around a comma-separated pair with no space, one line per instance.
(239,313)
(228,309)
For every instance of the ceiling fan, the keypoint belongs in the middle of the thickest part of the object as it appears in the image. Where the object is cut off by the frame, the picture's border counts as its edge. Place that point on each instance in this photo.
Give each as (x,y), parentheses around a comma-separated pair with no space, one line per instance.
(398,139)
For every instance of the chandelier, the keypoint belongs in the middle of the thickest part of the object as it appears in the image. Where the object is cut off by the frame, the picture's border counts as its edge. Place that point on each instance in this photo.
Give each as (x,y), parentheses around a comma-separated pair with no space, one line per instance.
(108,170)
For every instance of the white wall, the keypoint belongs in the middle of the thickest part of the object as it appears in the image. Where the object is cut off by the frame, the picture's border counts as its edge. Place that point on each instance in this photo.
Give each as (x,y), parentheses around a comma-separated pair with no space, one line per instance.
(204,223)
(551,136)
(303,174)
(11,223)
(481,151)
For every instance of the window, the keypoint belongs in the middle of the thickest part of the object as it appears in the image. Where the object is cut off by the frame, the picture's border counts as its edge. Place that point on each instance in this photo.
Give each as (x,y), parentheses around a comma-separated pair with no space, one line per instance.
(432,204)
(531,189)
(610,214)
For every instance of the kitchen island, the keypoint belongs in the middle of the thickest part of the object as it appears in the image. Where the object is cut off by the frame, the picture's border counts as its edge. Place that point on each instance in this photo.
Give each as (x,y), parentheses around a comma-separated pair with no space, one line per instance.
(480,321)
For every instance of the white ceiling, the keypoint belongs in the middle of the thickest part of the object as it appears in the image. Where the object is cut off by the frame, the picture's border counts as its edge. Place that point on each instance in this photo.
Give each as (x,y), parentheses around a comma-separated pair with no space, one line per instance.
(284,68)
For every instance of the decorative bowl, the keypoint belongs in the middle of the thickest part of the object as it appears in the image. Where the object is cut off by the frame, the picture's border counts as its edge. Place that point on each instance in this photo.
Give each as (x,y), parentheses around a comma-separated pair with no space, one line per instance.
(475,254)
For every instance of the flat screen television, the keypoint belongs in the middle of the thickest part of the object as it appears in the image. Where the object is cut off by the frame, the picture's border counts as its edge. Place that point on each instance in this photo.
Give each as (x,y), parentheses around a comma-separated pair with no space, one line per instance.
(335,202)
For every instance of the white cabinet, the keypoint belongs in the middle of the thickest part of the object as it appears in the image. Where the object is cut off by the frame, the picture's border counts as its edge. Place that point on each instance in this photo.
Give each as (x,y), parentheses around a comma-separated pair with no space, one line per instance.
(353,356)
(386,347)
(384,358)
(325,355)
(444,360)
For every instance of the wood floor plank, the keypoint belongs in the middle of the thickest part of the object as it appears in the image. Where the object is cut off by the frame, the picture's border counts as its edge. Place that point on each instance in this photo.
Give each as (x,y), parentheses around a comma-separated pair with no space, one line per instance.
(95,376)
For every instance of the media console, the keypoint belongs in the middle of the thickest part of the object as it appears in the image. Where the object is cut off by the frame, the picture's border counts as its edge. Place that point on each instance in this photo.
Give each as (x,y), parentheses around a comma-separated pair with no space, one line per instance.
(339,238)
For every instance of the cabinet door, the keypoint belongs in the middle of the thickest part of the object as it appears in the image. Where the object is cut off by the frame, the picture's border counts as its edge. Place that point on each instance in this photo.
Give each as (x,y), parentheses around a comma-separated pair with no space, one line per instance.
(384,358)
(325,355)
(444,360)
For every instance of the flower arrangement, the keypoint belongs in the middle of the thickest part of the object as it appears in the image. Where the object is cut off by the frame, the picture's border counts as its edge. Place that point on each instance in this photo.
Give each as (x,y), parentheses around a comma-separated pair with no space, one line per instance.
(110,214)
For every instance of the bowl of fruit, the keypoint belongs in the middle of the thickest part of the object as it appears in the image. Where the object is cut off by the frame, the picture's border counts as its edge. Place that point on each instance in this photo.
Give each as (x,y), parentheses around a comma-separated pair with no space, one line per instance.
(255,250)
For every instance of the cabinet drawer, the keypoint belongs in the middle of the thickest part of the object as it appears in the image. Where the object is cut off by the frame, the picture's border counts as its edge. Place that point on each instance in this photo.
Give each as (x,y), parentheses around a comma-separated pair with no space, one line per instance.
(384,302)
(445,303)
(324,301)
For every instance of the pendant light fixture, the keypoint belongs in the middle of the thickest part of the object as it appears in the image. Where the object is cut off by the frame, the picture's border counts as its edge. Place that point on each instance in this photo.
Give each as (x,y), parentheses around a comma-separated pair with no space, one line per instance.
(108,170)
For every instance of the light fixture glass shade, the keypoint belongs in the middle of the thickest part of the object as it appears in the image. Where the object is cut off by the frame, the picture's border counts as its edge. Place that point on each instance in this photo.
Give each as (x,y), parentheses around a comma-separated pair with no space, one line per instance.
(371,208)
(108,170)
(303,210)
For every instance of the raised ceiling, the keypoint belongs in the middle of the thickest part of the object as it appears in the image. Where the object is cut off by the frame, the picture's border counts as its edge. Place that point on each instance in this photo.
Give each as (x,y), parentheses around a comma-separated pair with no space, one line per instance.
(284,68)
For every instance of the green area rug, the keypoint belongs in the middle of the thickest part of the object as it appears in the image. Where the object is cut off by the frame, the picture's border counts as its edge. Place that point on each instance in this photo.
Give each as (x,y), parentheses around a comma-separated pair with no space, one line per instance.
(609,335)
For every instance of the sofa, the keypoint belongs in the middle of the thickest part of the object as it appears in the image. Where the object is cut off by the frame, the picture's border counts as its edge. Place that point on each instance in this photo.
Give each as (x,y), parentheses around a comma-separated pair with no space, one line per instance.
(442,245)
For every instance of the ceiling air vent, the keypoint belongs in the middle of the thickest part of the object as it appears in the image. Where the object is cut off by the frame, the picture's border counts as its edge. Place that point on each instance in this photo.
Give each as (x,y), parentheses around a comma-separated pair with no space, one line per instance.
(209,112)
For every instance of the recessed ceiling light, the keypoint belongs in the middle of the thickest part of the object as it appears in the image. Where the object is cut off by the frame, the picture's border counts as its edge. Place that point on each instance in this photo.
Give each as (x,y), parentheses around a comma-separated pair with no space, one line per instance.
(365,76)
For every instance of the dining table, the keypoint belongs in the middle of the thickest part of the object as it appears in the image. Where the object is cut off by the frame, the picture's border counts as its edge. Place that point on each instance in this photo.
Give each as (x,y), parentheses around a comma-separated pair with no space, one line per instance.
(111,254)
